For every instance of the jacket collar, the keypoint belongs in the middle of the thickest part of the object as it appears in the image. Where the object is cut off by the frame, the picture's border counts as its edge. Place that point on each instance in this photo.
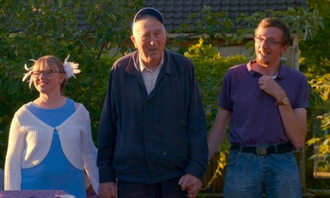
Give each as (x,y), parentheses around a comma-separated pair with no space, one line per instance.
(134,68)
(282,71)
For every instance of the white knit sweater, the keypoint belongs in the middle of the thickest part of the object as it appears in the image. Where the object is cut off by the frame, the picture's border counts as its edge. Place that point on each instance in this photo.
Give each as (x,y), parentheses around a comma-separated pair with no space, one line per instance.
(30,140)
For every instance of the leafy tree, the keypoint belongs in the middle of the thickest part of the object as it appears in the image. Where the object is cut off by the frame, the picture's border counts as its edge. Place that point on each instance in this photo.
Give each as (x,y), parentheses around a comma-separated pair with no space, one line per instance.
(94,34)
(210,68)
(213,26)
(315,63)
(314,59)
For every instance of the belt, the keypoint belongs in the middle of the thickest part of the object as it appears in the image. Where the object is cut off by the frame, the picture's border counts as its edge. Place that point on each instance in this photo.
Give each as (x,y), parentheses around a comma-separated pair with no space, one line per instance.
(264,150)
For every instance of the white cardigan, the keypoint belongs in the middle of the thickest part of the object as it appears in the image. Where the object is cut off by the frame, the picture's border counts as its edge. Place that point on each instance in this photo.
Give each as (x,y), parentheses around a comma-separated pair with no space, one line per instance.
(30,140)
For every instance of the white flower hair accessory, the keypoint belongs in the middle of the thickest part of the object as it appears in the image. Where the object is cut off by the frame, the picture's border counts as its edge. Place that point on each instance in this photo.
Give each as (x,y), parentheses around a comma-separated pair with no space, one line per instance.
(27,74)
(70,68)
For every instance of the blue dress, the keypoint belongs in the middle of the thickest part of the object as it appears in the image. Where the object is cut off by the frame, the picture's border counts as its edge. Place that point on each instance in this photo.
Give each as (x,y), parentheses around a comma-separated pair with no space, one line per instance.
(55,172)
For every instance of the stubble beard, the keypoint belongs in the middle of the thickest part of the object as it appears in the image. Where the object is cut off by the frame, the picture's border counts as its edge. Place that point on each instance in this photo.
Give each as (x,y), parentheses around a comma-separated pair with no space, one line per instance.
(263,62)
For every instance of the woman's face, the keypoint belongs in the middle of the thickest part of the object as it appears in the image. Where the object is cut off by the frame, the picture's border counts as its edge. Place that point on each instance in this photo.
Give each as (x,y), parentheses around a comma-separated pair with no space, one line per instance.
(47,80)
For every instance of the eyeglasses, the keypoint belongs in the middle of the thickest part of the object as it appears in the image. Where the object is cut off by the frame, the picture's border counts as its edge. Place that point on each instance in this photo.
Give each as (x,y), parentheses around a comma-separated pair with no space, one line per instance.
(269,42)
(47,73)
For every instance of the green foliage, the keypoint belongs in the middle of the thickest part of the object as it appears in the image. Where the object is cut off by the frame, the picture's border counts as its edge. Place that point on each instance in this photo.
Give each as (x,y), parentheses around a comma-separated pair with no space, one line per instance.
(321,86)
(93,34)
(210,68)
(323,145)
(222,162)
(315,63)
(219,25)
(315,59)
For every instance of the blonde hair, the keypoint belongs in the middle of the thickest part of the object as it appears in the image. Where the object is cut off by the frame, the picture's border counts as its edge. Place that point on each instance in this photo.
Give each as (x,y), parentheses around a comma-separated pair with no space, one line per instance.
(50,62)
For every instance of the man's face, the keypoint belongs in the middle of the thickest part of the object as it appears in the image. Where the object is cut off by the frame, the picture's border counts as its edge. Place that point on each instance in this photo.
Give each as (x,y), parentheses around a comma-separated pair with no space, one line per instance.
(268,45)
(149,38)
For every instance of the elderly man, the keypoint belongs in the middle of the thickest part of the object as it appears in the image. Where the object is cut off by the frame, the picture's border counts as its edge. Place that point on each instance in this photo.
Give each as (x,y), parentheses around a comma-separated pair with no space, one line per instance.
(152,134)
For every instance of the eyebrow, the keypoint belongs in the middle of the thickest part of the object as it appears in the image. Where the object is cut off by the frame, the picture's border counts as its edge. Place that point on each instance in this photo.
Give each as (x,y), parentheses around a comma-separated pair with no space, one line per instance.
(270,37)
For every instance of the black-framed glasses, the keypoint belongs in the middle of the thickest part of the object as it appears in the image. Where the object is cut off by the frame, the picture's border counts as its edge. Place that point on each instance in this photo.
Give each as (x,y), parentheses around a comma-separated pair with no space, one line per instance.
(269,42)
(46,73)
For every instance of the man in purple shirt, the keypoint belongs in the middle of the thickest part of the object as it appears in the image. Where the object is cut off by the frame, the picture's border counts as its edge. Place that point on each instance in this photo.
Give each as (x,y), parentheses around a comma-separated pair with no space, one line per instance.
(265,103)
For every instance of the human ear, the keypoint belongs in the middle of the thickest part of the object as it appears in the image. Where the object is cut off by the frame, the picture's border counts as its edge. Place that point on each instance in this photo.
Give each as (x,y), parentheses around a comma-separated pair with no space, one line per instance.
(134,41)
(284,48)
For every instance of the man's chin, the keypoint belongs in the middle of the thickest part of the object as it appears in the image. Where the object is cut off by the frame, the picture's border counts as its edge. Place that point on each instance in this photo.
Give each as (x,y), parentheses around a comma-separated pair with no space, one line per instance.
(262,62)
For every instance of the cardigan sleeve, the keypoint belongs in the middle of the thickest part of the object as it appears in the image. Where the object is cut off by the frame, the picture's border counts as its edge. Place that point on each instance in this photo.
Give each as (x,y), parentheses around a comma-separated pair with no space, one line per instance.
(13,176)
(89,154)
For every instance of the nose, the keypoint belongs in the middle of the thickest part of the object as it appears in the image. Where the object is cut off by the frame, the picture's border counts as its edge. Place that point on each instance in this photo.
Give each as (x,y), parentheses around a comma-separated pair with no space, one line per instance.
(263,44)
(152,40)
(41,75)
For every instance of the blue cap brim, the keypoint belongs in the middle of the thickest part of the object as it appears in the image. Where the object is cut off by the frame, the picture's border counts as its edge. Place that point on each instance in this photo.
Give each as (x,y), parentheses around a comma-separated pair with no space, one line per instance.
(149,11)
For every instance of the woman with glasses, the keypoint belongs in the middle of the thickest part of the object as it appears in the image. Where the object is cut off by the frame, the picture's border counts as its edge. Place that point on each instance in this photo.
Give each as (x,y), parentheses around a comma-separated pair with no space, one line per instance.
(50,143)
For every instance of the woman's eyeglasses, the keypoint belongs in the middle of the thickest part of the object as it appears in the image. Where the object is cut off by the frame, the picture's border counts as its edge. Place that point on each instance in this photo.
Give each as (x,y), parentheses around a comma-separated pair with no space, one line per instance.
(46,73)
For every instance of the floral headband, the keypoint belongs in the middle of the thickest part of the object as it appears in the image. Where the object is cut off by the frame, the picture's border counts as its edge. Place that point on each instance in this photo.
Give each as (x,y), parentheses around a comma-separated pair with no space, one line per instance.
(70,69)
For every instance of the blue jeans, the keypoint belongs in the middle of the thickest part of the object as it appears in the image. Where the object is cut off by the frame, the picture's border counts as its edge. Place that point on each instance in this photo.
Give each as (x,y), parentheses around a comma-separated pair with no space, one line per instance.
(251,175)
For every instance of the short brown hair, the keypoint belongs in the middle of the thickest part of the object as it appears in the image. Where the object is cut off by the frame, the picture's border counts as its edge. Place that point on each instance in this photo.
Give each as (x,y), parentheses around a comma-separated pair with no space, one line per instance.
(276,22)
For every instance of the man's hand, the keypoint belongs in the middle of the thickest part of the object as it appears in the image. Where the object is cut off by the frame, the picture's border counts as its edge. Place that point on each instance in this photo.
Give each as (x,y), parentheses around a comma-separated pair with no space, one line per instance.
(270,86)
(108,190)
(190,183)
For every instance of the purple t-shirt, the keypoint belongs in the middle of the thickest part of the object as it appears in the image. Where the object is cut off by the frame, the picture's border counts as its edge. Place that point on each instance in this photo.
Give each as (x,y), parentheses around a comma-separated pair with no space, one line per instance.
(255,118)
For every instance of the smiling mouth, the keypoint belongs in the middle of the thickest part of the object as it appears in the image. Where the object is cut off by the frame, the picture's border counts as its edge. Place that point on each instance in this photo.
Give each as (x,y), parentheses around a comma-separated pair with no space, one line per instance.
(264,53)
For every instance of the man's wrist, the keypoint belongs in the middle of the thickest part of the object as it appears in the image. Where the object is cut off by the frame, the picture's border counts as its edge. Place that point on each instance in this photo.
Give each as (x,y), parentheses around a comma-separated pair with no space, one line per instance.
(284,101)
